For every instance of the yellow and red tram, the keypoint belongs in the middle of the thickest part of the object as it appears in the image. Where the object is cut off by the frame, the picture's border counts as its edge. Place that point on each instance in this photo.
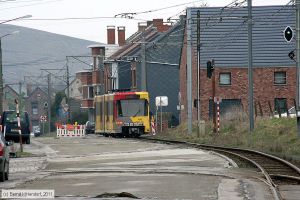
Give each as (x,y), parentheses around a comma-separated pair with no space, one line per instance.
(124,114)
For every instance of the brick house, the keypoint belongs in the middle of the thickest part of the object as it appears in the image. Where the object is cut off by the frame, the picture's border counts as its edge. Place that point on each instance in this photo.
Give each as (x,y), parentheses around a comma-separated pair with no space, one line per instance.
(112,66)
(162,55)
(9,96)
(34,105)
(91,83)
(75,89)
(223,37)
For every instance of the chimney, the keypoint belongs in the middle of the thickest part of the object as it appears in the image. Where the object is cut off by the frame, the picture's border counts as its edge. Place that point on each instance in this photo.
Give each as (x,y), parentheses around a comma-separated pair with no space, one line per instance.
(160,26)
(149,23)
(111,36)
(142,26)
(121,35)
(29,88)
(158,22)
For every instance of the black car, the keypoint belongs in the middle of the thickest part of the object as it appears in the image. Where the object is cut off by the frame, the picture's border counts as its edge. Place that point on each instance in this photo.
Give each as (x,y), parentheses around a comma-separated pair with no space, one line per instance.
(10,128)
(4,158)
(89,127)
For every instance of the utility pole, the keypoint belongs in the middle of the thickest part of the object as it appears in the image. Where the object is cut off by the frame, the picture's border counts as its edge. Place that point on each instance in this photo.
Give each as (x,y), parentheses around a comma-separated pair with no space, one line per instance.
(1,80)
(49,102)
(68,92)
(20,96)
(250,68)
(298,62)
(198,73)
(133,75)
(143,65)
(213,82)
(189,72)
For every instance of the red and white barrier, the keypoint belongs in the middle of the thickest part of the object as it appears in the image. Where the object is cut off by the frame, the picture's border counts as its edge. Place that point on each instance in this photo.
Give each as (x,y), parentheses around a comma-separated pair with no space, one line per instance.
(218,116)
(153,128)
(218,100)
(70,131)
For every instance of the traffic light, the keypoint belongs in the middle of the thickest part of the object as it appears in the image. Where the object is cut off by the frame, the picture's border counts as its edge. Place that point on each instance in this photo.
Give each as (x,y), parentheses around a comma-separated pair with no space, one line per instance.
(288,34)
(210,68)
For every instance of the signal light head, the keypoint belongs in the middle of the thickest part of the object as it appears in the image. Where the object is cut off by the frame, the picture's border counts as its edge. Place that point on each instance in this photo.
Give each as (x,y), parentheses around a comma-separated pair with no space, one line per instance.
(210,68)
(288,34)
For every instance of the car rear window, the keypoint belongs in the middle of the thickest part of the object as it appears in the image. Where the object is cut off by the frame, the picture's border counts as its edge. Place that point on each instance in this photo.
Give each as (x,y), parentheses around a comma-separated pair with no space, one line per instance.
(12,117)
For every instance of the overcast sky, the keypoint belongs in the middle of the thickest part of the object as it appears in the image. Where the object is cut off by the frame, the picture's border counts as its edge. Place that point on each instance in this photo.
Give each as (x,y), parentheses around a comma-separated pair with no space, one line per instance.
(95,29)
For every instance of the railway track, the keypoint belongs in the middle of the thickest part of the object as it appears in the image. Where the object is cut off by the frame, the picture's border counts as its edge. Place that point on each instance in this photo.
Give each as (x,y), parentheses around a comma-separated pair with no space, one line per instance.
(275,170)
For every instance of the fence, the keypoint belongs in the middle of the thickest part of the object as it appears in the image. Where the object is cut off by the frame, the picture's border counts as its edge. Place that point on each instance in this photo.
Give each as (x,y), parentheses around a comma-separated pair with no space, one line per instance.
(70,131)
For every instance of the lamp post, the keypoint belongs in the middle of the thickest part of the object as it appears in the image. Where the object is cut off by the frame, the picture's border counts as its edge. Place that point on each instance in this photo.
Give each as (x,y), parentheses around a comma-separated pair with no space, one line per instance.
(23,17)
(1,73)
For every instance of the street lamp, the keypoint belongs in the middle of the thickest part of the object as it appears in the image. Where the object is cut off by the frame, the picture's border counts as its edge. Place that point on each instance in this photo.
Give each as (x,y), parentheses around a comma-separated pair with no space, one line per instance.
(23,17)
(1,74)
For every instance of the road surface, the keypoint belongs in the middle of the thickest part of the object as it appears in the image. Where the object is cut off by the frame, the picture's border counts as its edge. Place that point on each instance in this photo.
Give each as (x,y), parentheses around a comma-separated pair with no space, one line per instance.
(95,166)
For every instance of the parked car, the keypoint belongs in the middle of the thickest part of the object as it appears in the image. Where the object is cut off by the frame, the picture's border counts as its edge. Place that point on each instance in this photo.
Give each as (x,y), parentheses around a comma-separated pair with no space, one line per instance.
(10,128)
(291,111)
(36,131)
(4,158)
(89,127)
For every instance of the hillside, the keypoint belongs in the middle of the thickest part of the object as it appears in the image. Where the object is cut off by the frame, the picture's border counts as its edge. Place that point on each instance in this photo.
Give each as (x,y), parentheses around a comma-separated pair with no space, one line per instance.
(25,53)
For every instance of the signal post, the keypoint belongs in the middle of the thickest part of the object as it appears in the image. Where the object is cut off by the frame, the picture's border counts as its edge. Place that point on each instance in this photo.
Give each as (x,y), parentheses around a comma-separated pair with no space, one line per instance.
(211,75)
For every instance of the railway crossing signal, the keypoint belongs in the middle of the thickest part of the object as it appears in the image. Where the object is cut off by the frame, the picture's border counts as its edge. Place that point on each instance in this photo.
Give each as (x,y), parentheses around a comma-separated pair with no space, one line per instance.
(288,34)
(43,118)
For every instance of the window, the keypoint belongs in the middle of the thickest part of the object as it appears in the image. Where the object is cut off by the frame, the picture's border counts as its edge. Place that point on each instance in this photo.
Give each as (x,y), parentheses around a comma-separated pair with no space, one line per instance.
(280,105)
(132,107)
(90,92)
(98,90)
(34,107)
(225,79)
(280,78)
(228,108)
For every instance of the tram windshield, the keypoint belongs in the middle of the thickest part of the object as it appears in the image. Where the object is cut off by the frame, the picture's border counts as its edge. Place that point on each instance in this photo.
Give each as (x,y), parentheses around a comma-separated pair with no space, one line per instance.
(132,107)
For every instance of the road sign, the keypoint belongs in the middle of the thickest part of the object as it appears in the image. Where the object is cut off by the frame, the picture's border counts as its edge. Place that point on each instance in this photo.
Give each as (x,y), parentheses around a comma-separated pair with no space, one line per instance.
(43,118)
(288,34)
(161,101)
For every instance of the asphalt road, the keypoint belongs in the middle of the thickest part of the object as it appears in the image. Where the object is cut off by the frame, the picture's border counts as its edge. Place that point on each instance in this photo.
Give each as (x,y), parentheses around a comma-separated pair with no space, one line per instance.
(83,168)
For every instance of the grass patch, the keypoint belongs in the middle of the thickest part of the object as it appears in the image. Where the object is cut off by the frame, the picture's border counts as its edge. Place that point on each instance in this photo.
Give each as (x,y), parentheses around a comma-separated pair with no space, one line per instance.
(20,154)
(274,136)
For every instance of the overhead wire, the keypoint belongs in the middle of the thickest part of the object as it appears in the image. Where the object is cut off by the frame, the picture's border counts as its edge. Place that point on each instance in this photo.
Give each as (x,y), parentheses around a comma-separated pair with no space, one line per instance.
(28,5)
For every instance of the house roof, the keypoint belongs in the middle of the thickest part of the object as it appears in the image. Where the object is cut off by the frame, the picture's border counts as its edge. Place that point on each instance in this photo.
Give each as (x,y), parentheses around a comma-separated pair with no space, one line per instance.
(224,35)
(133,43)
(166,48)
(11,89)
(37,89)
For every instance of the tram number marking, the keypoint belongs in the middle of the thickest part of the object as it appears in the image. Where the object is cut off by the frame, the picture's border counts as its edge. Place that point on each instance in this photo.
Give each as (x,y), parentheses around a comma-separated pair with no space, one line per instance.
(133,124)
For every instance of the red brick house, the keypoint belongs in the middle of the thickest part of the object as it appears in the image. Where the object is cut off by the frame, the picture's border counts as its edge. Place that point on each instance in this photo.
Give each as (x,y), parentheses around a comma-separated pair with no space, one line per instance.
(9,98)
(34,105)
(223,37)
(91,82)
(104,75)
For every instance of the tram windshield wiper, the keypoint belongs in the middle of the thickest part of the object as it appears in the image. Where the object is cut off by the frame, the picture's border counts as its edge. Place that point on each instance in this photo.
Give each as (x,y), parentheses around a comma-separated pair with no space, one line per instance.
(137,112)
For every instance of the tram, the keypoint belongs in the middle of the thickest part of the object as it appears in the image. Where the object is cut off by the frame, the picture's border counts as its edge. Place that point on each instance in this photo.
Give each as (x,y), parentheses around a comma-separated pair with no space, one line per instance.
(122,114)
